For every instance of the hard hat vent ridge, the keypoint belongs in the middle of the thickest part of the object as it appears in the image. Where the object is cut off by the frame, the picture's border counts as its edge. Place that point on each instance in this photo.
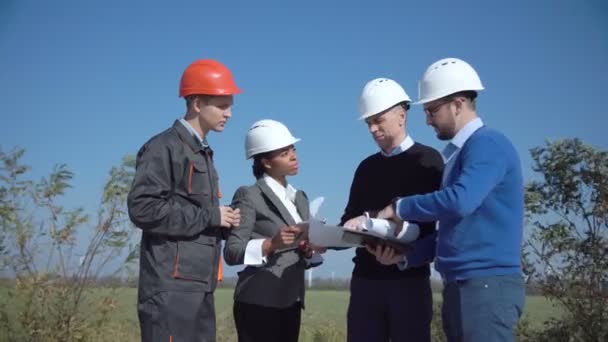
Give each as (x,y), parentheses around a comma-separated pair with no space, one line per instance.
(446,77)
(379,95)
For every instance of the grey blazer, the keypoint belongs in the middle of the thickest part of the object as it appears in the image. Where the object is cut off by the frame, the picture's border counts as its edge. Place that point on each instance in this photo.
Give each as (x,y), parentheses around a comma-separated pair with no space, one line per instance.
(280,282)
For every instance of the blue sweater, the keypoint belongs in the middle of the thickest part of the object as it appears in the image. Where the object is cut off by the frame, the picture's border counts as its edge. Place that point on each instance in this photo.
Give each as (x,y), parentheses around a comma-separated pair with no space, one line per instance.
(480,211)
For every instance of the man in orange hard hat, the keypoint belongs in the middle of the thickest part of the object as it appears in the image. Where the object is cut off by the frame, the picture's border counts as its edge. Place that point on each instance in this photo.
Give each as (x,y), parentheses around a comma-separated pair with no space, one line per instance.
(174,199)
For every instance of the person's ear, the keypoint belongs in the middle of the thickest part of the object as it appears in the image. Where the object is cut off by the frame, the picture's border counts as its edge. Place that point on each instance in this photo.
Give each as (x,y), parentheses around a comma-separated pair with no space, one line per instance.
(198,102)
(265,163)
(458,104)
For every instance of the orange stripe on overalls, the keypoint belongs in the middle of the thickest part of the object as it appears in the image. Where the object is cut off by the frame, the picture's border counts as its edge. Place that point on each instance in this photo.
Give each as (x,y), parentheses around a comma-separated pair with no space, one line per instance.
(220,270)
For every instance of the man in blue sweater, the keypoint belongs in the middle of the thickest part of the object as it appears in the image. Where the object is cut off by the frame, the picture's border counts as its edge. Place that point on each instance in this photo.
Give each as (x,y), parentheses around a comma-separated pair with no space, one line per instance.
(479,208)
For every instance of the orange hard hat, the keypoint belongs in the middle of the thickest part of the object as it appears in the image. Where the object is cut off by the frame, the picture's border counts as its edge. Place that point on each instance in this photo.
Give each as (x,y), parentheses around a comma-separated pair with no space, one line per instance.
(207,77)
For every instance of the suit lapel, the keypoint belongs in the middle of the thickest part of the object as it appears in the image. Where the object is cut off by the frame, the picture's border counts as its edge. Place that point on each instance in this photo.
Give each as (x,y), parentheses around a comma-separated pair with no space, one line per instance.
(276,202)
(302,206)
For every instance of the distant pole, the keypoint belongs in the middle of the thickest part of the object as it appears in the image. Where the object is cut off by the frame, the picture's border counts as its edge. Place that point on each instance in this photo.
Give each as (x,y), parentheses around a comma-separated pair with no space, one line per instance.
(332,277)
(310,278)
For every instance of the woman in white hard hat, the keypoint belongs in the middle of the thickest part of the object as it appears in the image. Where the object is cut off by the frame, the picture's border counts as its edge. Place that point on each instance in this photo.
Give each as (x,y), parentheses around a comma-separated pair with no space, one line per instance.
(269,294)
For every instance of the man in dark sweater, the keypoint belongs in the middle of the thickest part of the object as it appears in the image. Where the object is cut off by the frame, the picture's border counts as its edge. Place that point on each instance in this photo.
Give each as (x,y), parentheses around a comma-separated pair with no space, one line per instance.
(390,302)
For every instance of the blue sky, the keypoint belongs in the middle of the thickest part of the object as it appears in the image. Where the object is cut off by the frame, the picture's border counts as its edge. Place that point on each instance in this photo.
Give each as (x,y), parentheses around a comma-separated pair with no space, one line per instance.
(85,82)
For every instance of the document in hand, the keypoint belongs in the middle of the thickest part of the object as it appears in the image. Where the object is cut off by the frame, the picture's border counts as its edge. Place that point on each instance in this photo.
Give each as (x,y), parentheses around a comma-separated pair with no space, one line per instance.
(376,231)
(328,236)
(322,234)
(372,232)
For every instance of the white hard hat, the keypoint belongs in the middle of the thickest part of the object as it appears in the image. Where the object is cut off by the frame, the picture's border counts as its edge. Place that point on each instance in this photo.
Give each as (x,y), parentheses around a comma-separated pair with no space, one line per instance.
(446,77)
(267,135)
(379,95)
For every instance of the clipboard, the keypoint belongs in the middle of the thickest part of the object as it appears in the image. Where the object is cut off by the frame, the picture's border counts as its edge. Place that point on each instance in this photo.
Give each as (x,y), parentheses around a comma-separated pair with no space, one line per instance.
(368,238)
(335,234)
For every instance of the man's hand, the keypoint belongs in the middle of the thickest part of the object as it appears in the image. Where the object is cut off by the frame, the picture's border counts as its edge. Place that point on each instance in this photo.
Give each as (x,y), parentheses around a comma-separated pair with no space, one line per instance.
(388,213)
(229,218)
(355,223)
(385,254)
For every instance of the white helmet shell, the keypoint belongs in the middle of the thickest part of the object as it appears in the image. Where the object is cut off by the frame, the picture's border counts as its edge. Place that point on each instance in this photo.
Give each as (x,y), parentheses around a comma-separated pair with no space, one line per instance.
(379,95)
(446,77)
(267,135)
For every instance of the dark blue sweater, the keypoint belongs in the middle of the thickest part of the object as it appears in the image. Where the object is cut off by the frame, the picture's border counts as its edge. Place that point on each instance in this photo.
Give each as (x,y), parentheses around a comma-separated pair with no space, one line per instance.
(480,211)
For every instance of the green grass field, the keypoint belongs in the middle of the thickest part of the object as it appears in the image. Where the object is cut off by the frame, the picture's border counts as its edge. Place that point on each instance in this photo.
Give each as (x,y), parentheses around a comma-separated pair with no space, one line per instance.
(323,320)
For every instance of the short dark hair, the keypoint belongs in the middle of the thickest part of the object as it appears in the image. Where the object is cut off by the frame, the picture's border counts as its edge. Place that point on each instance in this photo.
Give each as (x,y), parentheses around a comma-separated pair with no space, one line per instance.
(471,95)
(203,97)
(257,167)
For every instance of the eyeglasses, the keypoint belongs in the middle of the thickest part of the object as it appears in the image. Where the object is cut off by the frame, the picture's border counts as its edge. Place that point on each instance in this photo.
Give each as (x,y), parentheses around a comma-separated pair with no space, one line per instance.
(431,111)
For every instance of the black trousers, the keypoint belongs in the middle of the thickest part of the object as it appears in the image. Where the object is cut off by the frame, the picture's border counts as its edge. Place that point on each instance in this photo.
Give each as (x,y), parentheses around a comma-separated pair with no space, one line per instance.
(175,316)
(396,310)
(255,323)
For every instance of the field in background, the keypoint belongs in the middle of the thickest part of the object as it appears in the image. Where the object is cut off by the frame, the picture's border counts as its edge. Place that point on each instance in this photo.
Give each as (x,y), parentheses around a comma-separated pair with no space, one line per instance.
(323,320)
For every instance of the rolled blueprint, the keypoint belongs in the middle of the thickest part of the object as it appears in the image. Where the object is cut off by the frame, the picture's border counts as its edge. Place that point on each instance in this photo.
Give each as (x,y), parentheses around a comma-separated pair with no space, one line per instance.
(409,232)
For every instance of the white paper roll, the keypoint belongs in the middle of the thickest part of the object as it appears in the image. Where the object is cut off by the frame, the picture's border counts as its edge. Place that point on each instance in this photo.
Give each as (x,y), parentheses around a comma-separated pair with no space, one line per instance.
(409,232)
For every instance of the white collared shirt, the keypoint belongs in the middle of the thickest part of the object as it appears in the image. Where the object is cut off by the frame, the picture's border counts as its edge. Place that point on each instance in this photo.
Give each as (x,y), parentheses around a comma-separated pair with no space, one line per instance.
(193,132)
(404,146)
(287,194)
(453,148)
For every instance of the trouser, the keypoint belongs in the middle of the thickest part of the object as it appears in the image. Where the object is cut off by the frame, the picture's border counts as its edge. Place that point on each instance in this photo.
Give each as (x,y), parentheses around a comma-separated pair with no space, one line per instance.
(483,309)
(255,323)
(392,309)
(177,316)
